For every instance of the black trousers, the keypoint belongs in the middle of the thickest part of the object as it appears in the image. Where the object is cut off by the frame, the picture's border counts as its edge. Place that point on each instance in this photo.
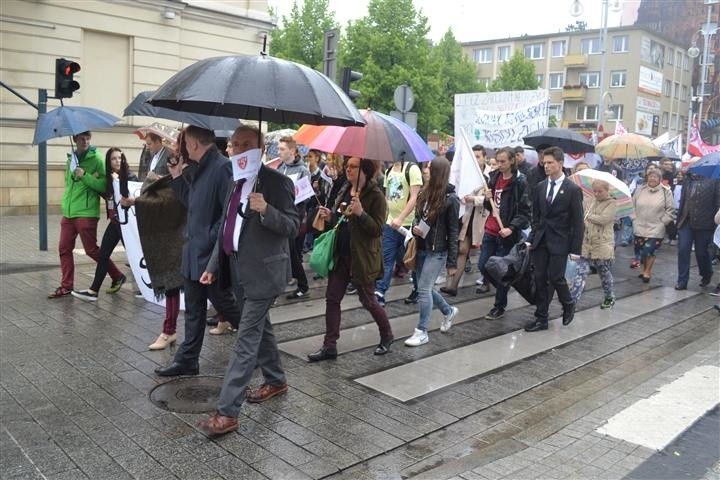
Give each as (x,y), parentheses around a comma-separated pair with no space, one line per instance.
(549,277)
(111,237)
(296,263)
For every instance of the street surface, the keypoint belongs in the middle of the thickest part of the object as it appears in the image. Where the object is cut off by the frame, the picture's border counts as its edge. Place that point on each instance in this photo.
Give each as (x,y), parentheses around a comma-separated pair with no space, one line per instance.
(630,392)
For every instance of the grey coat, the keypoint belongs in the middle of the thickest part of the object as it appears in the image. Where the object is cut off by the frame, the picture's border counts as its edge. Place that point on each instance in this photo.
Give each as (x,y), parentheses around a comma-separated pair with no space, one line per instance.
(204,197)
(263,257)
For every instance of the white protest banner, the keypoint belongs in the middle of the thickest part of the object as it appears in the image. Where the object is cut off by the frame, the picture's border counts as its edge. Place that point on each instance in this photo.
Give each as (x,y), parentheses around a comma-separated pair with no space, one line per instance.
(133,248)
(465,172)
(303,190)
(501,119)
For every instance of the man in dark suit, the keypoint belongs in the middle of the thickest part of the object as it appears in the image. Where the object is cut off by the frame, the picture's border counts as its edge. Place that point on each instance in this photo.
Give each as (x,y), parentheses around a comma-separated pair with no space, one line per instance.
(557,231)
(204,198)
(252,251)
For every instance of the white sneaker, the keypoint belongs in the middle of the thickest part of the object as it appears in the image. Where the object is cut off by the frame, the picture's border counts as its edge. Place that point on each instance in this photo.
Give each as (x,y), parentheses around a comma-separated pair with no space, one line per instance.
(419,337)
(441,280)
(447,321)
(479,281)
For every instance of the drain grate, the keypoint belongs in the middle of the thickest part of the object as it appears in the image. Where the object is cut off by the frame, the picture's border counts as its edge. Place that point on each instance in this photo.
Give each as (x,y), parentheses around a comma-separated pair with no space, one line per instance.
(188,394)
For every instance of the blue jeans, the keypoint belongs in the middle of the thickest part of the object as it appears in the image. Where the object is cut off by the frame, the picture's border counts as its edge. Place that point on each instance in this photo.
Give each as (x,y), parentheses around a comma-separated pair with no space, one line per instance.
(702,239)
(429,265)
(494,247)
(393,246)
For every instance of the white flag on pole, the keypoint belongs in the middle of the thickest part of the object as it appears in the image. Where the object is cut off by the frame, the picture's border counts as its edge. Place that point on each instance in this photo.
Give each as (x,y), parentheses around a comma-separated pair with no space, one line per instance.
(465,172)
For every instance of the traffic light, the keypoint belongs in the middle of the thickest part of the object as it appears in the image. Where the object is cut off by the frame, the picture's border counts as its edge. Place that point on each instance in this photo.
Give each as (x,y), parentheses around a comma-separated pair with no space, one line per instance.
(348,77)
(64,83)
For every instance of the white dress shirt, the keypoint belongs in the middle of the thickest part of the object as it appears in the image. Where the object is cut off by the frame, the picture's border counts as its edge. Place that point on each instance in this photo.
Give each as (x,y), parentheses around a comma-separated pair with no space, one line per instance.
(558,182)
(246,189)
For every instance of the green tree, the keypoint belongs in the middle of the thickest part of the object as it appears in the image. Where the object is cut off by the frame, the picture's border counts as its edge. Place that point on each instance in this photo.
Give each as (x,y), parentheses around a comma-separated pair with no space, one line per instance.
(300,38)
(456,74)
(518,73)
(389,46)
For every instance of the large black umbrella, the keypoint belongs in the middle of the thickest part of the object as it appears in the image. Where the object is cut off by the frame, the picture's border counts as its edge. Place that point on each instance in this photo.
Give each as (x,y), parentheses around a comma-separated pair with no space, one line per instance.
(257,87)
(140,107)
(569,141)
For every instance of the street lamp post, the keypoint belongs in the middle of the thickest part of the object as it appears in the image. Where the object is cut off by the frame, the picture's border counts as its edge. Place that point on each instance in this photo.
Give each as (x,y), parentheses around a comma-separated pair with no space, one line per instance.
(707,32)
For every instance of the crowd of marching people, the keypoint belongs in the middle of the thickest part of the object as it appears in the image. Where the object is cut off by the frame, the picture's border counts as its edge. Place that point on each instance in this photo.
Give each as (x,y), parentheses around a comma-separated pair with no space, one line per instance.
(245,238)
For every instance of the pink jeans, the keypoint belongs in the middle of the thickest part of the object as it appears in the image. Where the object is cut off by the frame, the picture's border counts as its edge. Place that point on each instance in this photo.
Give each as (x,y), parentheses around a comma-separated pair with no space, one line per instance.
(70,228)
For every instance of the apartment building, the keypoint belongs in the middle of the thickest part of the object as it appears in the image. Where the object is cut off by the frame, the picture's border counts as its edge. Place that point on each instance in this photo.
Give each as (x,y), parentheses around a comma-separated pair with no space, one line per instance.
(124,47)
(642,78)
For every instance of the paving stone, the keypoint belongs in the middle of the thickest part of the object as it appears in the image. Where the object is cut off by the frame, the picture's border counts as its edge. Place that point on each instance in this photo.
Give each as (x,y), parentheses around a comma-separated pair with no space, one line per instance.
(318,468)
(273,467)
(74,474)
(232,467)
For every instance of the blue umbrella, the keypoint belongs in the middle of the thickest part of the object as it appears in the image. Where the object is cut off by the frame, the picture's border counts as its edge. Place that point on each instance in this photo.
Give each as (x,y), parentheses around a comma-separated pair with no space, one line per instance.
(707,166)
(140,107)
(68,121)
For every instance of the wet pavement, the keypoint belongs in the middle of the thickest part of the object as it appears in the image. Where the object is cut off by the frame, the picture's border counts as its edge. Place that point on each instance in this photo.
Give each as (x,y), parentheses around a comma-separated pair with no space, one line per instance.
(76,377)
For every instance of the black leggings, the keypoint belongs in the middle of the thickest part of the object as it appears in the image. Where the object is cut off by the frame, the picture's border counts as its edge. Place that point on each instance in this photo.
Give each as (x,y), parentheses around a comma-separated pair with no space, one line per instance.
(110,239)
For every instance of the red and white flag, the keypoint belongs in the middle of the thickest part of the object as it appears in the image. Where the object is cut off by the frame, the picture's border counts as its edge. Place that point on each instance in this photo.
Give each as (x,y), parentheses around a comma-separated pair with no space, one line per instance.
(696,145)
(619,129)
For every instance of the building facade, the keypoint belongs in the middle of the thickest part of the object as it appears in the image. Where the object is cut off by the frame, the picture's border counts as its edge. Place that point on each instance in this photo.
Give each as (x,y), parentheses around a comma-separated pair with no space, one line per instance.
(645,84)
(124,47)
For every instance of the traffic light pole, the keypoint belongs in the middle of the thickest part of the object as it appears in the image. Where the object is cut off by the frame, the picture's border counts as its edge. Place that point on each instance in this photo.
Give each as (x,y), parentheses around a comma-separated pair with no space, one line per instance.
(42,177)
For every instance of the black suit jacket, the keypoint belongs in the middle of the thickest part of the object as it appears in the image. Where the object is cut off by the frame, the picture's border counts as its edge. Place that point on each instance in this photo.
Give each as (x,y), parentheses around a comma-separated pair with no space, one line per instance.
(558,226)
(264,260)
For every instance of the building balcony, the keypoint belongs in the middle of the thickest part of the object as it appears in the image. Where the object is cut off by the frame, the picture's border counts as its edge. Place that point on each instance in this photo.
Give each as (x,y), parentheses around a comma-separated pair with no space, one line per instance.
(576,61)
(574,93)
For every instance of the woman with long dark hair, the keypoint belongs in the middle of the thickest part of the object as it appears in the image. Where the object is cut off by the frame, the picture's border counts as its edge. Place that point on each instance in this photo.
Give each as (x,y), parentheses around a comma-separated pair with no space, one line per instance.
(361,208)
(435,230)
(115,161)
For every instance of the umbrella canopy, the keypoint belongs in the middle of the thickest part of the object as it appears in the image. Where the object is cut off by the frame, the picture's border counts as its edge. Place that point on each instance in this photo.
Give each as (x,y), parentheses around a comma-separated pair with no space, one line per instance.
(140,107)
(707,166)
(568,140)
(68,121)
(383,138)
(167,134)
(627,145)
(257,87)
(618,190)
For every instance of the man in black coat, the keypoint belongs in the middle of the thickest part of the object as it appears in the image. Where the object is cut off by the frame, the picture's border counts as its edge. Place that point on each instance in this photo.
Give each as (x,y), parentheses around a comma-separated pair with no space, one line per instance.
(557,231)
(252,252)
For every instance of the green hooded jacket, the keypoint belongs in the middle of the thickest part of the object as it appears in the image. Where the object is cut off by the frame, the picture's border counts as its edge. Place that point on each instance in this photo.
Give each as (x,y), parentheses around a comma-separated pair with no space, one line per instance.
(81,198)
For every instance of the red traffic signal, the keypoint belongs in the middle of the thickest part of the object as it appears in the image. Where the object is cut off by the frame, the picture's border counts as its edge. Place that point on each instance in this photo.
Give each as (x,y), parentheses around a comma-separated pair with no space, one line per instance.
(64,83)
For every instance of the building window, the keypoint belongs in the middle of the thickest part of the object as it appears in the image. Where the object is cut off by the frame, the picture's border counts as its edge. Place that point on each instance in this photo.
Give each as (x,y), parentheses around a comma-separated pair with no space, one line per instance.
(539,78)
(686,62)
(667,87)
(485,82)
(684,93)
(587,112)
(555,110)
(674,121)
(677,90)
(559,48)
(557,80)
(620,44)
(590,46)
(483,55)
(617,112)
(669,56)
(590,79)
(534,51)
(503,54)
(678,59)
(664,121)
(618,78)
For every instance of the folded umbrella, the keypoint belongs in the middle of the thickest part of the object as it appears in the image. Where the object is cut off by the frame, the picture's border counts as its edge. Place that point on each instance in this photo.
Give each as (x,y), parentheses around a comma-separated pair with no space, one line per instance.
(383,138)
(627,145)
(140,107)
(68,121)
(618,190)
(707,166)
(257,87)
(568,140)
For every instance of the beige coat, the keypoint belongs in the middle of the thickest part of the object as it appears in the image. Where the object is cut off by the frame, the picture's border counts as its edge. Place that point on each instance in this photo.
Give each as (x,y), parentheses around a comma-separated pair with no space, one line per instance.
(478,224)
(599,239)
(654,209)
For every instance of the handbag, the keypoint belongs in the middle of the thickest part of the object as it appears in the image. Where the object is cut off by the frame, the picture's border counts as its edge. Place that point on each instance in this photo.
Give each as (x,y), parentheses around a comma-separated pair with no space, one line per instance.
(410,254)
(322,259)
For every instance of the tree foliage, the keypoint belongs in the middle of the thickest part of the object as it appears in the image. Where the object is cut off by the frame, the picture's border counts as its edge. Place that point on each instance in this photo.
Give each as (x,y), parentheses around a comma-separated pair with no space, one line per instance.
(518,73)
(301,36)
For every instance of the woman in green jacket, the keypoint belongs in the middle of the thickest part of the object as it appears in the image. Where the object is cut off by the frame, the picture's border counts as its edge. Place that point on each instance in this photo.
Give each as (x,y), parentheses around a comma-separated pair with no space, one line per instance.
(361,208)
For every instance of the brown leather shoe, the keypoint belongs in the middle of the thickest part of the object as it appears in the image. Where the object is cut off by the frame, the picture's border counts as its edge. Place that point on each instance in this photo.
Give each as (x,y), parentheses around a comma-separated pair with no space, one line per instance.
(217,424)
(265,392)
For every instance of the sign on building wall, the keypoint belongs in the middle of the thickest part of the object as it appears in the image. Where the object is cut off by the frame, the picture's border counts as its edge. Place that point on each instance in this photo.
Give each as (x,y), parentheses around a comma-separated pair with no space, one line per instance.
(648,105)
(650,81)
(643,123)
(652,52)
(499,119)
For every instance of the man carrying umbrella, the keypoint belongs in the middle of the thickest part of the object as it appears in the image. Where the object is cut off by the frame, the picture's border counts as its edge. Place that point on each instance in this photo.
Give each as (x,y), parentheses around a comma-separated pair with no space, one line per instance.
(252,252)
(84,182)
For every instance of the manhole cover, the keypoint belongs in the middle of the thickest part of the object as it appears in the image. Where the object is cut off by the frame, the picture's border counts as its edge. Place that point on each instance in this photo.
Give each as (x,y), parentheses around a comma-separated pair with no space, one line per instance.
(188,394)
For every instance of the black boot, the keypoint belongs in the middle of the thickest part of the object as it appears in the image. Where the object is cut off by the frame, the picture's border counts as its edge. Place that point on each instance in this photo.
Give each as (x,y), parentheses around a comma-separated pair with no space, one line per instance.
(323,354)
(384,346)
(568,313)
(537,326)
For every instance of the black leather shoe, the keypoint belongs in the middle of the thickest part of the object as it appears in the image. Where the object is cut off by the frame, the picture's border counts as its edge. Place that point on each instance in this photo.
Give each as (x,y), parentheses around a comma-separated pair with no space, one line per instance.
(175,369)
(412,298)
(705,282)
(323,354)
(537,326)
(568,313)
(484,288)
(449,291)
(384,346)
(212,321)
(680,287)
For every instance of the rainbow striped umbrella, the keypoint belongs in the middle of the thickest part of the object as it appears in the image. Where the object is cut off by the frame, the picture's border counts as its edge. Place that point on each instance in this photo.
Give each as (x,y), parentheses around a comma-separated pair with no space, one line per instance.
(618,190)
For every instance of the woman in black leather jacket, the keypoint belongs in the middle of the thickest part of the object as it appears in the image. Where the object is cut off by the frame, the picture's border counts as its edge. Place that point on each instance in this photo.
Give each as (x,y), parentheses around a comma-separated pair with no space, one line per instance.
(436,232)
